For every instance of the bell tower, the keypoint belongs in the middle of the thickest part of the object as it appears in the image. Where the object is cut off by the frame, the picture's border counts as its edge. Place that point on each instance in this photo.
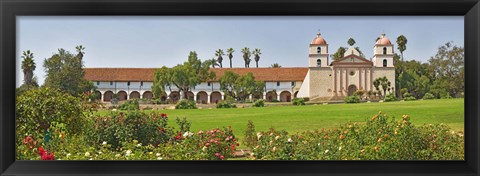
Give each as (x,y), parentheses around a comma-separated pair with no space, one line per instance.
(383,52)
(318,52)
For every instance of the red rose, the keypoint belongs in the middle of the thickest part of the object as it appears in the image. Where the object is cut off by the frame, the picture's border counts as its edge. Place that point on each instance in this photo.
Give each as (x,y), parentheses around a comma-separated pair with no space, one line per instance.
(41,150)
(207,144)
(222,157)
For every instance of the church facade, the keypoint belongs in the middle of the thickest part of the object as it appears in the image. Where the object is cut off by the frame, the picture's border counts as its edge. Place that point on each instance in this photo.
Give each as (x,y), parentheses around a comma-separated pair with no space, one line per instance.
(321,80)
(344,76)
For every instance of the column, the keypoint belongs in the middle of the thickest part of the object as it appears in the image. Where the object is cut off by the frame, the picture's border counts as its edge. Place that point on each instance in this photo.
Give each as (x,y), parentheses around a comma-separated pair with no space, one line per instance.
(102,95)
(195,97)
(366,80)
(335,82)
(208,97)
(264,95)
(278,96)
(346,79)
(250,97)
(341,82)
(360,79)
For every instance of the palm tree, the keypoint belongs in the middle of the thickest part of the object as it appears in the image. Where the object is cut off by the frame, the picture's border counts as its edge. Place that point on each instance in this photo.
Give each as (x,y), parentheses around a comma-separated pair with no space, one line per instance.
(275,65)
(257,53)
(246,56)
(230,55)
(80,49)
(213,62)
(28,66)
(219,53)
(402,46)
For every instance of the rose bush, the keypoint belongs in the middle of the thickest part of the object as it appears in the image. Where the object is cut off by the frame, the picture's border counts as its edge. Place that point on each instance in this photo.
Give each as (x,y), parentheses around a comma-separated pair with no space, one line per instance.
(380,138)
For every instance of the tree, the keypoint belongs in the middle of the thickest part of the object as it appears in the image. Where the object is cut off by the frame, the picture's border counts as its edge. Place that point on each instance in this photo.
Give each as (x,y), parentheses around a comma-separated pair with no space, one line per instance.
(275,65)
(28,66)
(80,50)
(212,62)
(163,77)
(240,87)
(402,46)
(448,70)
(219,53)
(351,41)
(183,76)
(339,54)
(65,72)
(360,52)
(257,53)
(382,81)
(246,56)
(230,55)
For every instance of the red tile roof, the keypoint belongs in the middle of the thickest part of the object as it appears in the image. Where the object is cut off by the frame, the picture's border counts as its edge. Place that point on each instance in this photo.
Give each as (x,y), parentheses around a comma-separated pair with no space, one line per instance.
(146,74)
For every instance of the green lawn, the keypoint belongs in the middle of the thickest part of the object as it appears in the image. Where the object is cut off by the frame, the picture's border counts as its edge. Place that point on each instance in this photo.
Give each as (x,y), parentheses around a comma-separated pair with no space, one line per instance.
(300,118)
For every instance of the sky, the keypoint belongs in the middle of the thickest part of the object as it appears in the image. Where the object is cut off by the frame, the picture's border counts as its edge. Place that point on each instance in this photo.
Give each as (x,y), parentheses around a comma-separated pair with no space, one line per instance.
(156,41)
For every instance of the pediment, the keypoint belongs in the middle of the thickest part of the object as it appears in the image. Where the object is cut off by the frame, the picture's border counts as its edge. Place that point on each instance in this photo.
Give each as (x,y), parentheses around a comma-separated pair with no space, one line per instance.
(352,59)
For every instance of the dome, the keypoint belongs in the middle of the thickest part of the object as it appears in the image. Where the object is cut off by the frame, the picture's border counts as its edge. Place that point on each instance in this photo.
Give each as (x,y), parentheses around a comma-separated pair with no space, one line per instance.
(383,40)
(318,40)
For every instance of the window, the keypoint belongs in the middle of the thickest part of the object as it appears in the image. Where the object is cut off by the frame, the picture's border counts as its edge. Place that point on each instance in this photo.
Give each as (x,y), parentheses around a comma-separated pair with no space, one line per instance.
(111,82)
(319,62)
(141,83)
(98,83)
(352,73)
(128,83)
(209,84)
(384,50)
(384,62)
(319,50)
(278,83)
(293,83)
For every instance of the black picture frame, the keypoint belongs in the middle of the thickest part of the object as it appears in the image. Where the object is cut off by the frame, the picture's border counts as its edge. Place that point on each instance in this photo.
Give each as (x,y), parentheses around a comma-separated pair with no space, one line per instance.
(9,9)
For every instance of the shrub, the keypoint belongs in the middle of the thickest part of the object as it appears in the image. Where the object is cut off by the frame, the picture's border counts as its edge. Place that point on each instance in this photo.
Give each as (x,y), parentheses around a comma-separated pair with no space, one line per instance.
(428,96)
(38,109)
(298,101)
(352,99)
(274,101)
(408,97)
(250,139)
(390,97)
(186,104)
(359,93)
(130,105)
(259,103)
(226,104)
(380,138)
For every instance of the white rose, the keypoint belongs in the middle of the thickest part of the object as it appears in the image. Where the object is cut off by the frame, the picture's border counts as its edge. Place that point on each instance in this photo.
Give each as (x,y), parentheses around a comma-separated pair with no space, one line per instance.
(104,143)
(128,152)
(326,151)
(87,154)
(158,154)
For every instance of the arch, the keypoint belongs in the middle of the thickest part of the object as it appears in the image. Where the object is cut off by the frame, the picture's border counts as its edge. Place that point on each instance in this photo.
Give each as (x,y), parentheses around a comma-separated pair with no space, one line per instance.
(271,95)
(134,95)
(98,95)
(147,95)
(122,95)
(384,62)
(351,89)
(384,50)
(107,96)
(215,97)
(174,96)
(202,97)
(319,50)
(295,94)
(319,63)
(285,96)
(190,95)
